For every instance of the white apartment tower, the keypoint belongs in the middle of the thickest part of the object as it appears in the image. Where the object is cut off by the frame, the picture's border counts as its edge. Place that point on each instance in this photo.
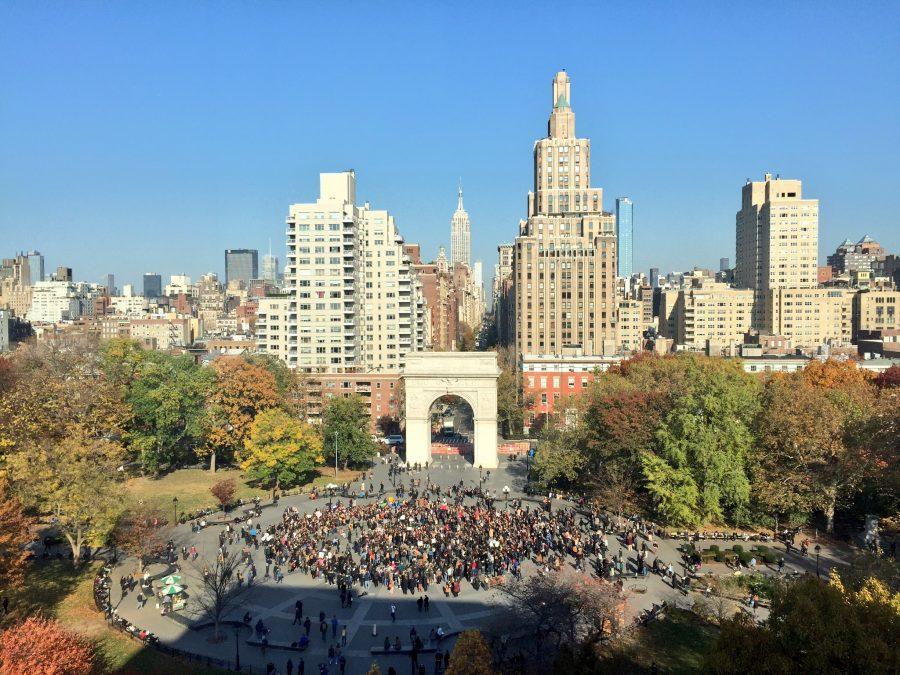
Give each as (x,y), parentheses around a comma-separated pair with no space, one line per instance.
(355,303)
(460,234)
(777,240)
(565,255)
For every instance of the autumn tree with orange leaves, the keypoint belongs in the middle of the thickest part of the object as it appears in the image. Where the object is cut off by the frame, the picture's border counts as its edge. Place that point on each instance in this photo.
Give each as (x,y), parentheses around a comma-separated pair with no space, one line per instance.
(39,645)
(809,457)
(241,391)
(14,527)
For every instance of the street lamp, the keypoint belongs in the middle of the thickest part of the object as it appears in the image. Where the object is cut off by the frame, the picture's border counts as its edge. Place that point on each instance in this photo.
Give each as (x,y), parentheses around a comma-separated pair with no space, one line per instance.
(335,456)
(818,548)
(175,510)
(506,496)
(237,649)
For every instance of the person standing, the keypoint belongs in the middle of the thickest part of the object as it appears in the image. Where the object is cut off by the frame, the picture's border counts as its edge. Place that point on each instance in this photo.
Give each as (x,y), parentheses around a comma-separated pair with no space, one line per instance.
(298,612)
(393,613)
(289,667)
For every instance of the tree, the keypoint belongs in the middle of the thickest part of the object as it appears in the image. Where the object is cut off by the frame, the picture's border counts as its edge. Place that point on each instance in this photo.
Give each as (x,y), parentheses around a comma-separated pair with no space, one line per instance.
(39,645)
(241,391)
(558,461)
(77,480)
(511,402)
(280,450)
(168,396)
(558,610)
(345,421)
(815,627)
(14,529)
(224,491)
(218,591)
(142,532)
(466,341)
(808,459)
(57,388)
(470,655)
(888,379)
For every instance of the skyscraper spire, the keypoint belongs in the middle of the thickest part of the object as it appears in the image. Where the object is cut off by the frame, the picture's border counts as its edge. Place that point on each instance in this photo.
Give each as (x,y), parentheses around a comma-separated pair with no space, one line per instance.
(460,233)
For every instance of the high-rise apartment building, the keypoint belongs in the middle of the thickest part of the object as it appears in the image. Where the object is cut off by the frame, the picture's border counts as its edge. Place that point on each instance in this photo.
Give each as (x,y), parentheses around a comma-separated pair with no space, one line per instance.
(460,234)
(565,254)
(241,264)
(152,285)
(356,305)
(625,236)
(503,299)
(777,240)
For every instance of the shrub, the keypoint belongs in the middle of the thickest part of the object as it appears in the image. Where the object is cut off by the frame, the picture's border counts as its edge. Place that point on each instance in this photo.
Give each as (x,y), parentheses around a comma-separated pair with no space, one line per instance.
(744,557)
(737,548)
(714,547)
(720,557)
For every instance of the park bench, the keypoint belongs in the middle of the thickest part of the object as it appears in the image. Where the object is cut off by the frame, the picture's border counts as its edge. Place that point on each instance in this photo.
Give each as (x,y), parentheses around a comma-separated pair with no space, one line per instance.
(283,646)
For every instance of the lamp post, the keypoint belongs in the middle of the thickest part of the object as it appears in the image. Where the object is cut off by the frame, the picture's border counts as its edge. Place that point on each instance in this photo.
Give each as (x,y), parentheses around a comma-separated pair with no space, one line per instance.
(506,496)
(818,549)
(237,649)
(335,456)
(175,511)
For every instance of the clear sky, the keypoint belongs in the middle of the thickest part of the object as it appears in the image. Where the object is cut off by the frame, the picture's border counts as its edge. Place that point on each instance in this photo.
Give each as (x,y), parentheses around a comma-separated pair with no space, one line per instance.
(151,136)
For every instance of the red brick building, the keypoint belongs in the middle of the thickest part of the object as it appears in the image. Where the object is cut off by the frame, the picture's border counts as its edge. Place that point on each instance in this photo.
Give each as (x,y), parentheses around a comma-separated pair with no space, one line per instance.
(549,379)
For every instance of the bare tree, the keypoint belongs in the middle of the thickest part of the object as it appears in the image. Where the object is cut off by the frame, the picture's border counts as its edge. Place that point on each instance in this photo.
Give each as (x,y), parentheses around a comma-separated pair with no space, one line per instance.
(561,609)
(218,591)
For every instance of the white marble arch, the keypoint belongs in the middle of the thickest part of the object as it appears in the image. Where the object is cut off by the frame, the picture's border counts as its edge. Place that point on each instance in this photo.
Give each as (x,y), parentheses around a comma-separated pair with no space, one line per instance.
(470,375)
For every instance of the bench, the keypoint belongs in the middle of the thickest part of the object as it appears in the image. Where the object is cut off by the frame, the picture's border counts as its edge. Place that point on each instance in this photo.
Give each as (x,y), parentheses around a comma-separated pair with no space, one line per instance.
(403,650)
(276,645)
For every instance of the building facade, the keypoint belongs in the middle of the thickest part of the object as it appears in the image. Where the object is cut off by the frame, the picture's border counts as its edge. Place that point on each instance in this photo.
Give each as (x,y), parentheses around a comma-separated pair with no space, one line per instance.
(565,254)
(357,305)
(777,240)
(810,317)
(712,313)
(460,234)
(152,285)
(625,236)
(241,264)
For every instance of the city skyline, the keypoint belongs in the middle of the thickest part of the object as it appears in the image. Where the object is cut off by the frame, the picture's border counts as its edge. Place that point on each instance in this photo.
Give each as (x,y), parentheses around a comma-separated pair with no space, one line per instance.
(210,181)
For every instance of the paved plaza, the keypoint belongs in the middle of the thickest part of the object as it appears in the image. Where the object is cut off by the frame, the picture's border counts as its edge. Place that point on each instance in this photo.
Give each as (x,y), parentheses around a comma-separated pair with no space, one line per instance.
(368,621)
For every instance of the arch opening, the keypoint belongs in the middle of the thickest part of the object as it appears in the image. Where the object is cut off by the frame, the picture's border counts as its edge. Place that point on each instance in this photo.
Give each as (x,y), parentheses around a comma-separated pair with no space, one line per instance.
(452,428)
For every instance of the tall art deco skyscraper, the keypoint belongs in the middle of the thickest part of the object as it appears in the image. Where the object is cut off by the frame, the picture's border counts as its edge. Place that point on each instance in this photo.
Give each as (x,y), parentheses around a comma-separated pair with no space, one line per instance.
(460,235)
(565,254)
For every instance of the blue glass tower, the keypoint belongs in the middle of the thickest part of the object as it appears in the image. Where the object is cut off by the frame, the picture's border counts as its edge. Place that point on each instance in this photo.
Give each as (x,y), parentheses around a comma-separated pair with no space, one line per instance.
(625,236)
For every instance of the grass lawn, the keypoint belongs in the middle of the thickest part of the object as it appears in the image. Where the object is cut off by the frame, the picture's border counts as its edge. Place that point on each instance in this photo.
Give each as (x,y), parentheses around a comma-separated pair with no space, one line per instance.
(57,590)
(677,644)
(191,486)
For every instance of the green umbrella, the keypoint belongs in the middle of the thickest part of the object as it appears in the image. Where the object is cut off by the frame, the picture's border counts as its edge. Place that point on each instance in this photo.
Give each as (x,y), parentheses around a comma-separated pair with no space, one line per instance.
(170,580)
(172,590)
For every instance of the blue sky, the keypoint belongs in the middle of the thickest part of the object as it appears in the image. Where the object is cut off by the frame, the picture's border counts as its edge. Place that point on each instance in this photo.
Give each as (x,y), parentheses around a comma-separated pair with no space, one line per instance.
(151,136)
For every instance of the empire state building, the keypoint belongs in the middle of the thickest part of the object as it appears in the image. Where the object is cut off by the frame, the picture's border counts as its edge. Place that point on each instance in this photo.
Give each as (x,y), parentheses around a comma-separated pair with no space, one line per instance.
(460,235)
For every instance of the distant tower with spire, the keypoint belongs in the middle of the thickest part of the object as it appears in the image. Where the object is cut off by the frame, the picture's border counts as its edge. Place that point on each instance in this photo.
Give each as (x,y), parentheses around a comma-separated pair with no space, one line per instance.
(460,234)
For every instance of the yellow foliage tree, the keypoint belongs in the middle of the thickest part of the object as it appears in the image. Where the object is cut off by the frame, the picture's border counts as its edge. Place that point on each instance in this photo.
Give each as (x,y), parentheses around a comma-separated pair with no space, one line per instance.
(280,451)
(470,656)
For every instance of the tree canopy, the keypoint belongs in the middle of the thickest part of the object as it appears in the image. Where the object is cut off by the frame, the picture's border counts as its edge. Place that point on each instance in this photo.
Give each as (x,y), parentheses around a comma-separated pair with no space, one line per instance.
(345,421)
(280,450)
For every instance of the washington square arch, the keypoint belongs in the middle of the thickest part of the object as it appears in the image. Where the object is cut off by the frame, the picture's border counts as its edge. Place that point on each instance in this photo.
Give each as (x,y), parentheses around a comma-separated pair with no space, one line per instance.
(472,376)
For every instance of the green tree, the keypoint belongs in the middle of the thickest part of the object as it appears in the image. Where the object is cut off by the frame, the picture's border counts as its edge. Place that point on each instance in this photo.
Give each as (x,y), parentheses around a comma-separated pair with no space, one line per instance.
(168,396)
(281,450)
(559,461)
(815,627)
(345,421)
(673,490)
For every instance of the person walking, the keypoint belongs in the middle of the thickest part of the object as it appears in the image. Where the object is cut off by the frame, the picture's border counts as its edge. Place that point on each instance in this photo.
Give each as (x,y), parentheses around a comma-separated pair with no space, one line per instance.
(289,667)
(425,602)
(334,626)
(344,636)
(393,613)
(307,625)
(323,629)
(298,612)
